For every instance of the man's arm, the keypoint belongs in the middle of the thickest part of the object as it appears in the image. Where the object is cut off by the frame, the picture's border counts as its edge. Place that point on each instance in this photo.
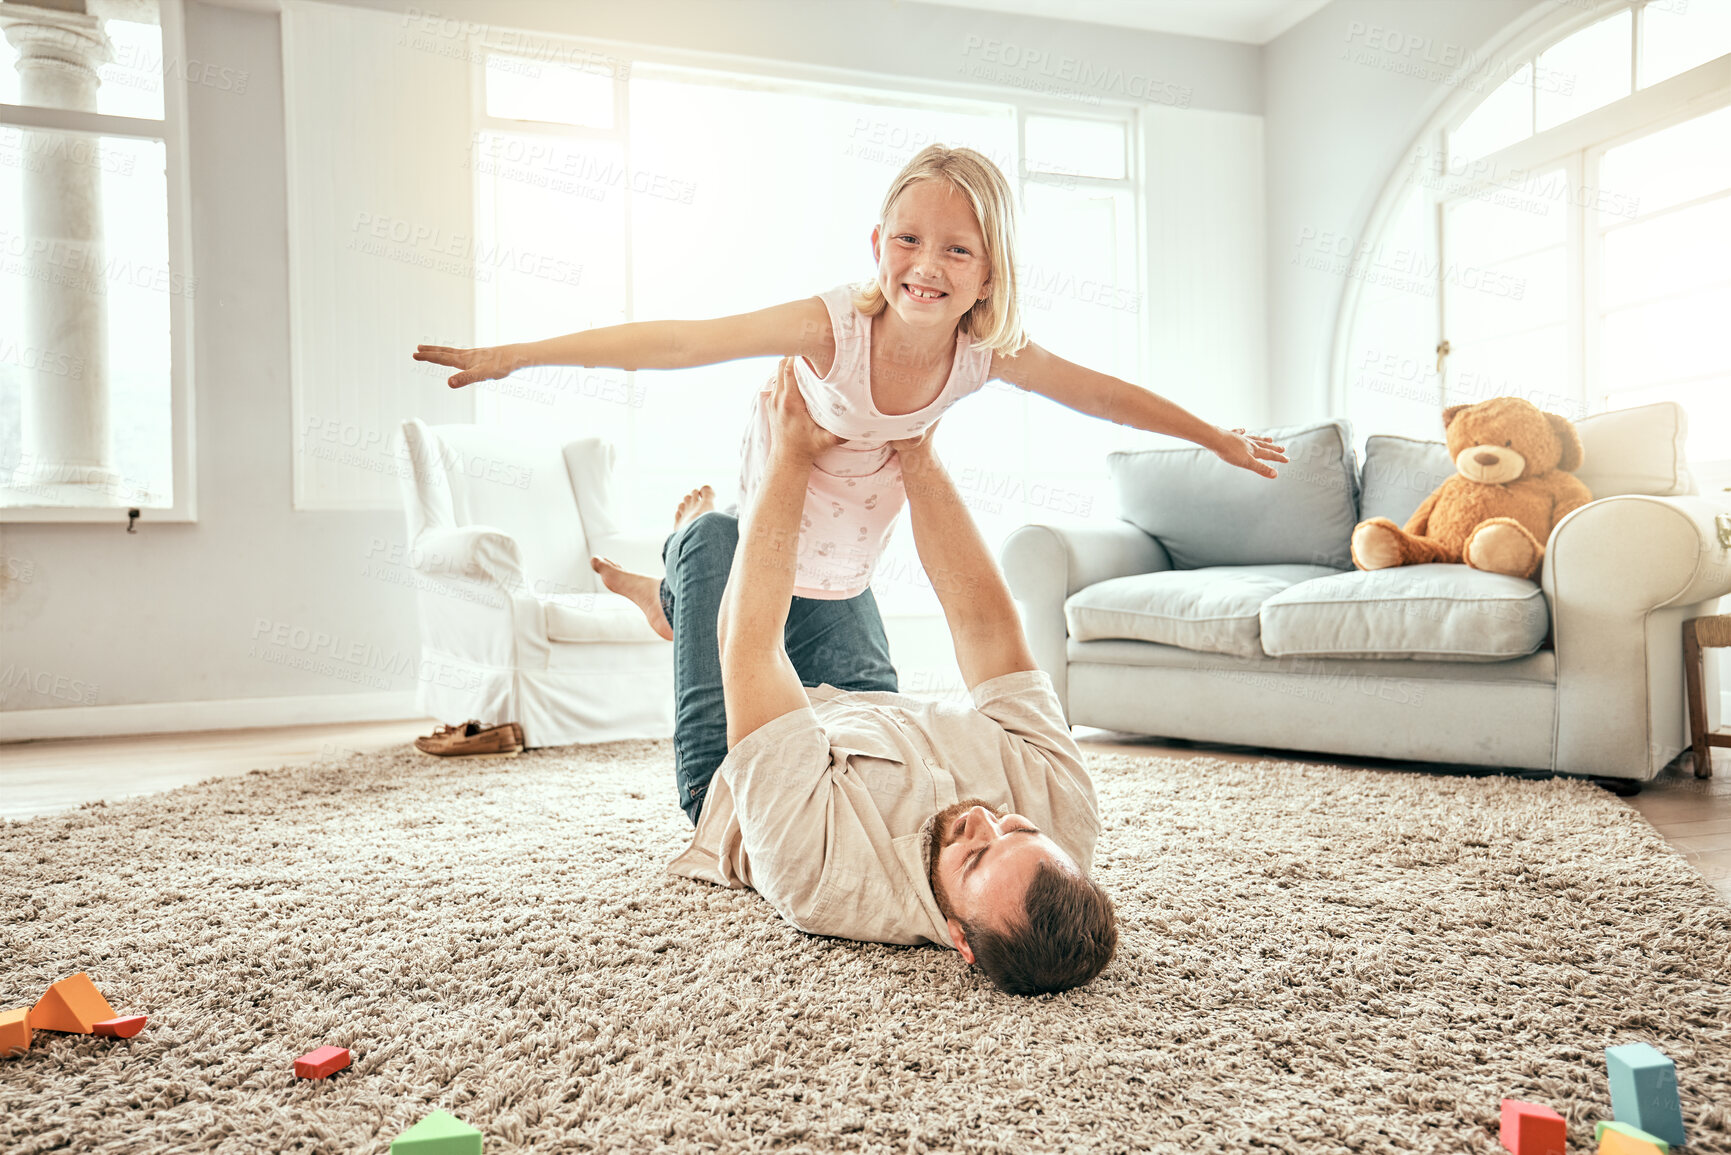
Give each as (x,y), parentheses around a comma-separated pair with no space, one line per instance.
(977,604)
(758,682)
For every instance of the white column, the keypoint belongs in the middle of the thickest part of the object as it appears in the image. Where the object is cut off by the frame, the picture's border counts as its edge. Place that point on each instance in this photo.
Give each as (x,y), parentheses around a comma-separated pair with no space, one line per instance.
(67,452)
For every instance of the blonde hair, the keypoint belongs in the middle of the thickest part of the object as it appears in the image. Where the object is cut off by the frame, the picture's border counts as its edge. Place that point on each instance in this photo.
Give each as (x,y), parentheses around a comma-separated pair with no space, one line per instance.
(996,322)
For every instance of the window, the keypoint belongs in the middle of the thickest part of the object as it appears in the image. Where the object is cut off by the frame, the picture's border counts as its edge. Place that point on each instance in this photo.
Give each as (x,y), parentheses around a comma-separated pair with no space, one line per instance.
(1576,242)
(673,211)
(96,286)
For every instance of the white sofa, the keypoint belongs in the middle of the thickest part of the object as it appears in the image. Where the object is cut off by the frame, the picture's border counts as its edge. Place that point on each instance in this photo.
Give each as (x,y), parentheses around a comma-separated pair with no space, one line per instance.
(515,626)
(1224,608)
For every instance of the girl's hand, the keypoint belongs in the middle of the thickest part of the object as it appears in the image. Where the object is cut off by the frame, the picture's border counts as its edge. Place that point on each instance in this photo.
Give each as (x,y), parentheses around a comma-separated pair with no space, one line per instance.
(791,429)
(486,364)
(1248,451)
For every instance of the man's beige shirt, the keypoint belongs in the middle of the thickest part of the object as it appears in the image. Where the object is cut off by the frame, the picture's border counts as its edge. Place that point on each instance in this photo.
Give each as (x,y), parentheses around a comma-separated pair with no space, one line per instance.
(825,811)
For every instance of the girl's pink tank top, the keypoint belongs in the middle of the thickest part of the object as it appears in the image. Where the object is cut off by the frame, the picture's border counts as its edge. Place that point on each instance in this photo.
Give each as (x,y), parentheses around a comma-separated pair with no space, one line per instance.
(855,490)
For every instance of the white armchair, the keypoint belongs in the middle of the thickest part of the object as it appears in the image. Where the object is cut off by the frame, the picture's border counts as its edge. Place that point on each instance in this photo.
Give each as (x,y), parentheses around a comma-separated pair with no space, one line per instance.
(515,626)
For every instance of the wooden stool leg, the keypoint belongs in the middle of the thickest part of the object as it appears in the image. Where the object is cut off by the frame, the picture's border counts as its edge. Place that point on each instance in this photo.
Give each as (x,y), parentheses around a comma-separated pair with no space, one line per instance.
(1697,695)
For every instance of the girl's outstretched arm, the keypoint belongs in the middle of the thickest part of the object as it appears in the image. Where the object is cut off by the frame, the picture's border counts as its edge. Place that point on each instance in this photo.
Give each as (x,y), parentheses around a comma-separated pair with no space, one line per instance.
(1116,400)
(798,328)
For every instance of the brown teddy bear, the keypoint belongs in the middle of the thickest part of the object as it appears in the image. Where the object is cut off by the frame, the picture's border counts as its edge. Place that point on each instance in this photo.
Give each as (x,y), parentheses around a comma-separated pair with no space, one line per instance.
(1498,510)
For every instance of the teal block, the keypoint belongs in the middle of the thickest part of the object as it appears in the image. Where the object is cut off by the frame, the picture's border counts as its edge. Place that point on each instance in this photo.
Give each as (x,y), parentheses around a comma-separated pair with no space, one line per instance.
(1644,1090)
(438,1134)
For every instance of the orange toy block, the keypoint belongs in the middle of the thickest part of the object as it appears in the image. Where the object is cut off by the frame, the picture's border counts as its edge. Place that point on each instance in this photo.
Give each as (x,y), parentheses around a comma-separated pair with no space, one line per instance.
(1620,1143)
(1532,1129)
(124,1027)
(73,1004)
(324,1061)
(14,1032)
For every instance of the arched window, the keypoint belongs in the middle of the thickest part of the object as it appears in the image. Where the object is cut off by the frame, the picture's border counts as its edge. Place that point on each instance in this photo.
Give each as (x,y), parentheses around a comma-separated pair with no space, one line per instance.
(1561,231)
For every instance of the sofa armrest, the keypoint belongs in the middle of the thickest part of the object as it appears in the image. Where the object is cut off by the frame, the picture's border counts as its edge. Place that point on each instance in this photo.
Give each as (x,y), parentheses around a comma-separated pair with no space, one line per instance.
(1621,575)
(471,552)
(639,552)
(1045,564)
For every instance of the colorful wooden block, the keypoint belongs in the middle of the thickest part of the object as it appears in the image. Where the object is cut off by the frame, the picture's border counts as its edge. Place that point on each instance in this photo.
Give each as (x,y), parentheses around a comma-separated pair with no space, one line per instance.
(324,1061)
(1644,1091)
(124,1027)
(73,1004)
(438,1134)
(14,1032)
(1532,1129)
(1617,1143)
(1631,1132)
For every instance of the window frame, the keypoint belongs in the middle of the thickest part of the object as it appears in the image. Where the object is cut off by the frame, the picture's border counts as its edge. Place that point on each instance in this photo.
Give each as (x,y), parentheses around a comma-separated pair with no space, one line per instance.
(171,130)
(1576,145)
(856,84)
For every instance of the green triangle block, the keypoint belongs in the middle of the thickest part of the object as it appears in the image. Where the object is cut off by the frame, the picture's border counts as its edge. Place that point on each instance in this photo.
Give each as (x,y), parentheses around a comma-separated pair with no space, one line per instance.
(1632,1132)
(438,1134)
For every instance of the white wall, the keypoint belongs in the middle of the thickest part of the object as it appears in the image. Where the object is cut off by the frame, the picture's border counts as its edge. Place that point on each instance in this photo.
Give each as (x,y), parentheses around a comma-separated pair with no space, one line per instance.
(174,613)
(1345,92)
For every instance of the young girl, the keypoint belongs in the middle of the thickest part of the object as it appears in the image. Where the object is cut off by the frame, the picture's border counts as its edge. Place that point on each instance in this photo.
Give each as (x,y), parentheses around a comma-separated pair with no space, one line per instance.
(879,363)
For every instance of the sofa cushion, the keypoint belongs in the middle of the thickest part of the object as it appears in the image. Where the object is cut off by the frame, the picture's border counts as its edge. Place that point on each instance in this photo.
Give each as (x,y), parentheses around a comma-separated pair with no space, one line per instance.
(1399,473)
(1208,513)
(602,617)
(1637,450)
(1213,609)
(1440,612)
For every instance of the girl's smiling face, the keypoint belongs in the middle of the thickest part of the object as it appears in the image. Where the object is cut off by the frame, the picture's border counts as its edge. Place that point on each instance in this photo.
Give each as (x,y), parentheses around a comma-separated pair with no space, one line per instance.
(932,264)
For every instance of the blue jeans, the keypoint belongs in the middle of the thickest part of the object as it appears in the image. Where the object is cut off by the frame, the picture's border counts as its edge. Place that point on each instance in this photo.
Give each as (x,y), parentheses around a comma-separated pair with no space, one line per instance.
(839,642)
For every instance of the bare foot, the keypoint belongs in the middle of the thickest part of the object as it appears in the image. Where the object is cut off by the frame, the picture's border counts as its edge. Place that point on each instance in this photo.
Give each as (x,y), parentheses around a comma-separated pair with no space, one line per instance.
(643,590)
(698,501)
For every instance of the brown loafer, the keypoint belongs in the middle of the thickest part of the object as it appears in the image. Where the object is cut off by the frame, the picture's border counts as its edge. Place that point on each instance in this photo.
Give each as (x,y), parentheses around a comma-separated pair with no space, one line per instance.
(473,740)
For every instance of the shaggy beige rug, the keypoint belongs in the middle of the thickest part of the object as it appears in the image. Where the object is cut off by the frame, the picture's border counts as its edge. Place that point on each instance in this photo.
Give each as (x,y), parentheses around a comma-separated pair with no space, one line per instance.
(1312,960)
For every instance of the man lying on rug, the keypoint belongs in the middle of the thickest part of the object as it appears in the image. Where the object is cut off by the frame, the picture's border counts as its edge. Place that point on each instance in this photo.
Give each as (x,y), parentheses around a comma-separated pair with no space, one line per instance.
(856,811)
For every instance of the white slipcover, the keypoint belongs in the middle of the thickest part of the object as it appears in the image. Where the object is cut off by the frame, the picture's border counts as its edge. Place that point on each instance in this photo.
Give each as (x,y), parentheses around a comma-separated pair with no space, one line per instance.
(515,626)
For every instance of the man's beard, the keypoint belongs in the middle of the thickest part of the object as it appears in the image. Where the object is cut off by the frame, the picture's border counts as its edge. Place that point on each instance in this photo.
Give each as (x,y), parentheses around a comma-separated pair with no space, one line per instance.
(940,837)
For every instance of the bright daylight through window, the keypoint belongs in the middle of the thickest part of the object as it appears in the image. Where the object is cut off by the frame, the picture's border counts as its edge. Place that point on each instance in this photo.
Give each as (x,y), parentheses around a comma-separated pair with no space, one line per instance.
(673,212)
(89,284)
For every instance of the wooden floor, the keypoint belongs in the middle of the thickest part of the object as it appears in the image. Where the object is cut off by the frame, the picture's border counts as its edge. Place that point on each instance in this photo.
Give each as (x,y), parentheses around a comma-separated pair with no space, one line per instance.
(1693,815)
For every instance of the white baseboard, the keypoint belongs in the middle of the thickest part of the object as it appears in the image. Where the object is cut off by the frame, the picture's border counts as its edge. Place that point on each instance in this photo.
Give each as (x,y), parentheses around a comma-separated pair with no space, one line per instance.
(225,714)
